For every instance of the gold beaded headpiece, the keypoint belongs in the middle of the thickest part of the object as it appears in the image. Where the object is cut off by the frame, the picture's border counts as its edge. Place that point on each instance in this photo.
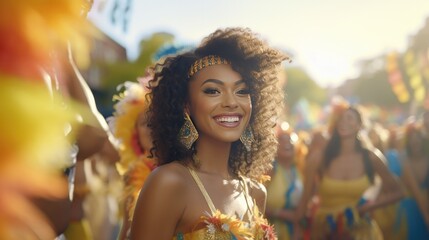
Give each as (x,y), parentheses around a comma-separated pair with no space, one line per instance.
(206,61)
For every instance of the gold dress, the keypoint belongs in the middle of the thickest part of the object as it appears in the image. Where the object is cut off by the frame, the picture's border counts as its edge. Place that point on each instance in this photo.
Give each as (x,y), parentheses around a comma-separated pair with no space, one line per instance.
(218,226)
(284,192)
(337,216)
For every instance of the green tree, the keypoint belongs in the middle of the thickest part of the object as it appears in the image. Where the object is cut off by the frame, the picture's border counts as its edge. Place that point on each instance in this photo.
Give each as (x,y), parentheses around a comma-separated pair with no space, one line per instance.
(119,72)
(300,85)
(373,86)
(375,89)
(116,73)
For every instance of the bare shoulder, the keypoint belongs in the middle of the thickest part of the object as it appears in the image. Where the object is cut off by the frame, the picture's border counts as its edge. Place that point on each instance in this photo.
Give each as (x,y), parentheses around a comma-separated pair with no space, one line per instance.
(161,203)
(166,182)
(257,188)
(258,192)
(167,177)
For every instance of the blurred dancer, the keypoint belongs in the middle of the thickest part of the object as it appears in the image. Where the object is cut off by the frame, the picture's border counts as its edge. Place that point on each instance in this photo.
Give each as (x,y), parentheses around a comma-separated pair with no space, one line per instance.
(130,127)
(415,168)
(346,169)
(285,188)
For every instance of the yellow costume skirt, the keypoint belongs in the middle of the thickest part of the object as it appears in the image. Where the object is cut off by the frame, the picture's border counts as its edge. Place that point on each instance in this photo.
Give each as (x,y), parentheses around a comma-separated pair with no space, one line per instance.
(78,230)
(343,223)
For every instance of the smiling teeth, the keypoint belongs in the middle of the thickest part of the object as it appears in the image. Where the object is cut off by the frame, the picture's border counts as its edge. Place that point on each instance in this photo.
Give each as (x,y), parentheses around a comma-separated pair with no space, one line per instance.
(227,119)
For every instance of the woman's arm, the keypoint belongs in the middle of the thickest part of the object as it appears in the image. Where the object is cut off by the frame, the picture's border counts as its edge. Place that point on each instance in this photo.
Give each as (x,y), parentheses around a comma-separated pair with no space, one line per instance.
(281,213)
(391,190)
(160,205)
(311,171)
(93,133)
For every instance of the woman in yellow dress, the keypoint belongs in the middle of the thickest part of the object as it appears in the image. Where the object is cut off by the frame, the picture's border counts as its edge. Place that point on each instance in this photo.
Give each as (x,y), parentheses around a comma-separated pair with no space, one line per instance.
(285,188)
(211,117)
(344,170)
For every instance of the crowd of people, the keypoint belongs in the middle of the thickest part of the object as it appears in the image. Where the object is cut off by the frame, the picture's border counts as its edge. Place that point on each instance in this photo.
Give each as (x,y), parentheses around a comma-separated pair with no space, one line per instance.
(198,148)
(361,180)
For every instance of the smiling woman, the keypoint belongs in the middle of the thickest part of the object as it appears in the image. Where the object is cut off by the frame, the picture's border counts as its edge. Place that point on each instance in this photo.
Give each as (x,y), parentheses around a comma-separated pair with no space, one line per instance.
(339,174)
(211,115)
(219,103)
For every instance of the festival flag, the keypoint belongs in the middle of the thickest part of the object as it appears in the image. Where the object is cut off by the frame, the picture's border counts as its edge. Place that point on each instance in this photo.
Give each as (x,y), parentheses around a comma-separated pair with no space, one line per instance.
(416,81)
(395,78)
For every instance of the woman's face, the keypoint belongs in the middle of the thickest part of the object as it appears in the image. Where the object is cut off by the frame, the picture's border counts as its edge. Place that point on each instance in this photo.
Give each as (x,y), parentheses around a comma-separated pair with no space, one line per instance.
(219,103)
(143,132)
(349,124)
(286,148)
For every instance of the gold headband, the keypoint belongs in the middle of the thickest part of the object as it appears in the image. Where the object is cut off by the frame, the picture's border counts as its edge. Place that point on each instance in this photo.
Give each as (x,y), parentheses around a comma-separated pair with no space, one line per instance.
(206,61)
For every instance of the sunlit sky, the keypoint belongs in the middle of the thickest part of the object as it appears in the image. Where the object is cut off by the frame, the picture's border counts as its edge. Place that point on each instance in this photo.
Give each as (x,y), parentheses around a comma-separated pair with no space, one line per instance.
(326,37)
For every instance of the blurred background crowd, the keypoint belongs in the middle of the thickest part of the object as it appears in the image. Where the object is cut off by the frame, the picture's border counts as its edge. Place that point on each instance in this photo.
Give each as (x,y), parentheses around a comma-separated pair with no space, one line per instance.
(72,135)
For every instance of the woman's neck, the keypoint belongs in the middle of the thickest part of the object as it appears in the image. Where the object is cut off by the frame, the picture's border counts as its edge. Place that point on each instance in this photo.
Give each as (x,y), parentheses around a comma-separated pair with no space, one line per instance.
(285,162)
(213,158)
(348,145)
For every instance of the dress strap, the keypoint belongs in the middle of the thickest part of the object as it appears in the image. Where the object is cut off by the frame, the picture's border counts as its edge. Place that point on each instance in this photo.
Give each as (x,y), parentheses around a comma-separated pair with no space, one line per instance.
(203,190)
(246,197)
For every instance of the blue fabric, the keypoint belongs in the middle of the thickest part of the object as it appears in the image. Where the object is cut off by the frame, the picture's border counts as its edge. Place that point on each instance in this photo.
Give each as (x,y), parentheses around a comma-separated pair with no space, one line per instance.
(289,191)
(415,223)
(393,162)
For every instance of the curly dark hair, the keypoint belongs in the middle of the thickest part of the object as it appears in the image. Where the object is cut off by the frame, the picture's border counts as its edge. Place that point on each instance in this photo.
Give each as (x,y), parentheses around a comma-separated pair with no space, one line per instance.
(256,62)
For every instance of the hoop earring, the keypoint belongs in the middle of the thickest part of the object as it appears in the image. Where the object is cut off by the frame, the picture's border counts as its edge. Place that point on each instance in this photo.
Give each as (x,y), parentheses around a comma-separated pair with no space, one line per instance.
(247,138)
(188,133)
